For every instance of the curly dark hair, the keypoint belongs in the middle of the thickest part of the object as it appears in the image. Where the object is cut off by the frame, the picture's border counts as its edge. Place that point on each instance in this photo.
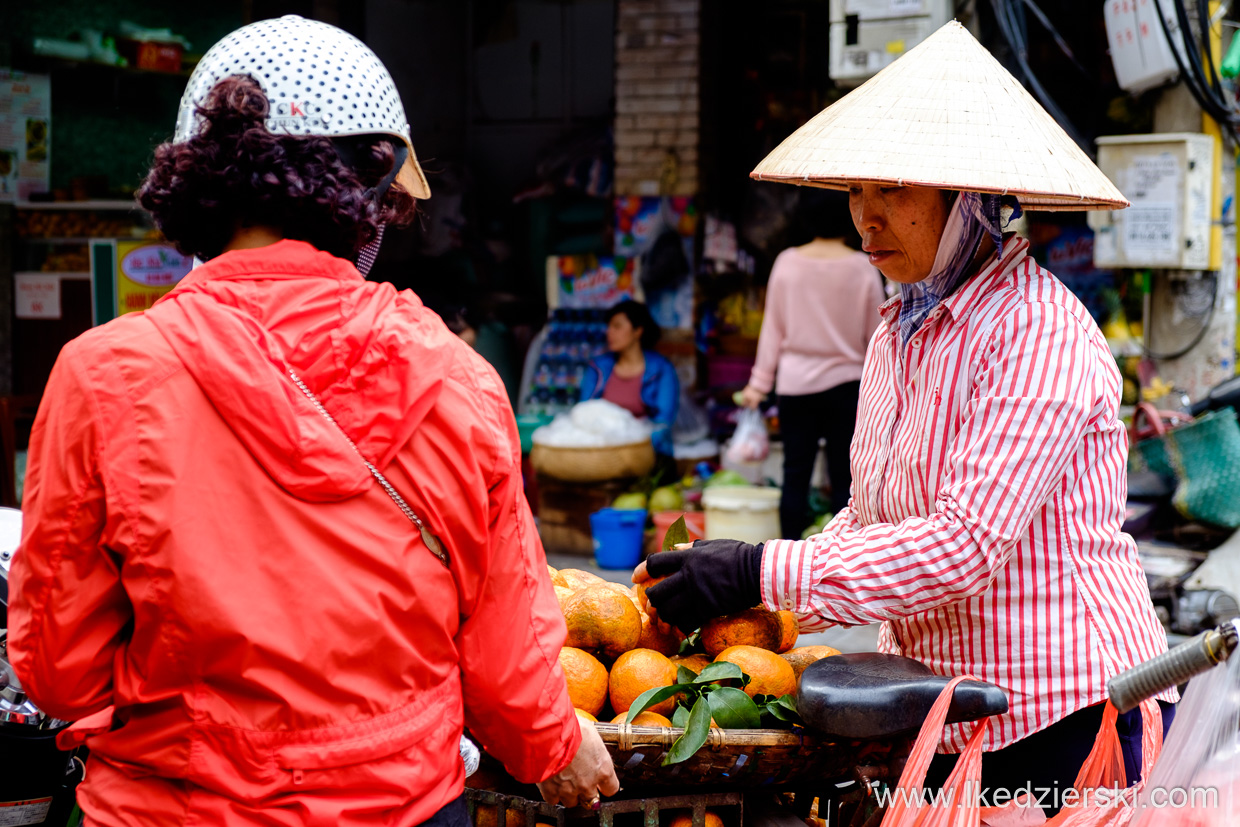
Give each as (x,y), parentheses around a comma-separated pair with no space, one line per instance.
(235,173)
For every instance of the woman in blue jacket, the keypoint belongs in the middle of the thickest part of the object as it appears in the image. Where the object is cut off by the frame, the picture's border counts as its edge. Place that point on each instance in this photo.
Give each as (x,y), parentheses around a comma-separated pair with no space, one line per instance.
(632,375)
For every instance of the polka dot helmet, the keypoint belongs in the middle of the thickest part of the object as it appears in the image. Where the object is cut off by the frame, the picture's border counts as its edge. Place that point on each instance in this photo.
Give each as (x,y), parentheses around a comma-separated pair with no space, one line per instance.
(318,79)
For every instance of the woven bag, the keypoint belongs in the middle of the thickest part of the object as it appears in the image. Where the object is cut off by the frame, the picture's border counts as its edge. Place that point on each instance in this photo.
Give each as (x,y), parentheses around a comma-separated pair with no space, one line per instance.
(1205,456)
(1148,441)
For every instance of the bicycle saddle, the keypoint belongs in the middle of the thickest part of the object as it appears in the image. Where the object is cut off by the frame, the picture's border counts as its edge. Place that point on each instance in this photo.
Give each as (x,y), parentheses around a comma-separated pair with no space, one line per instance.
(871,695)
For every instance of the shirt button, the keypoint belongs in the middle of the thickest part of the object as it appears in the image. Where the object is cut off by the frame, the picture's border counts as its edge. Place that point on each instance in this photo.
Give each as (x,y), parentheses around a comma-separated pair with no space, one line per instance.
(917,343)
(787,603)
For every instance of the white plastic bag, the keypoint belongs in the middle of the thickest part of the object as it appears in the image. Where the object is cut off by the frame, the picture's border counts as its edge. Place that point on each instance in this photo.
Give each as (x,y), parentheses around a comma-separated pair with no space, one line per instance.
(1196,782)
(750,442)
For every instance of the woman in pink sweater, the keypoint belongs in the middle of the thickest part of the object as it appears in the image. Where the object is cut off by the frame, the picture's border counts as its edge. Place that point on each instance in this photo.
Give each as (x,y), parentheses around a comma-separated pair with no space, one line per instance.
(821,309)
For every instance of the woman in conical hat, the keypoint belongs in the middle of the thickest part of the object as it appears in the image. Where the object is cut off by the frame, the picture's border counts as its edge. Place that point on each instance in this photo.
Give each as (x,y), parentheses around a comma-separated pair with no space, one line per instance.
(276,550)
(984,526)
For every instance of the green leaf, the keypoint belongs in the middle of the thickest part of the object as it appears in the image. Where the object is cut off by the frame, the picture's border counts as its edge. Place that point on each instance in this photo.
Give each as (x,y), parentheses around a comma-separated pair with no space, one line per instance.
(697,728)
(684,674)
(733,709)
(763,700)
(680,717)
(789,702)
(721,671)
(678,533)
(779,713)
(657,695)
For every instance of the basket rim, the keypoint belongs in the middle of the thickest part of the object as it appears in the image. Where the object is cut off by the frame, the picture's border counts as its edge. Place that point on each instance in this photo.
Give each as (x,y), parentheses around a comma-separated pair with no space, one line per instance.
(641,444)
(627,736)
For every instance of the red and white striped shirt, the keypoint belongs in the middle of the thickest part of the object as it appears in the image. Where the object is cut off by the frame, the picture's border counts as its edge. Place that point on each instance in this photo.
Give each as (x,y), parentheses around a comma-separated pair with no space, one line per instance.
(988,493)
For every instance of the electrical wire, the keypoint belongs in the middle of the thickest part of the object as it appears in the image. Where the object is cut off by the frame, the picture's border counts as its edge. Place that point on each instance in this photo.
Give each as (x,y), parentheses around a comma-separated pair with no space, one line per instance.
(1010,28)
(1201,334)
(1059,39)
(1187,60)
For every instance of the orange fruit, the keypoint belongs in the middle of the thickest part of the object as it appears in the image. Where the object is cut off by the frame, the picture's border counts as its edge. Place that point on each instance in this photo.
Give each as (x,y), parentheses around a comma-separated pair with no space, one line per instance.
(585,716)
(639,589)
(636,671)
(695,663)
(578,579)
(665,642)
(803,656)
(790,630)
(602,621)
(686,820)
(646,718)
(586,678)
(769,674)
(562,594)
(752,627)
(556,578)
(484,816)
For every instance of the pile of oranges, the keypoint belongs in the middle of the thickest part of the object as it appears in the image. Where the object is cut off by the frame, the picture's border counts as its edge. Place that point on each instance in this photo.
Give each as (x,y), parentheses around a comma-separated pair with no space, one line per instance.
(615,652)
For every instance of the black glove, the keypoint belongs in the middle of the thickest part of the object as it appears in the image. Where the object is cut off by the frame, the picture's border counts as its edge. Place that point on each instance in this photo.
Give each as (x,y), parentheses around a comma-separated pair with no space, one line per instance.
(714,578)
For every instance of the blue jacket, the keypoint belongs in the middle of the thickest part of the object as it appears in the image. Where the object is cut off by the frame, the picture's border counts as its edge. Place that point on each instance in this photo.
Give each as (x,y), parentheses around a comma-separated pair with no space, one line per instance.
(660,392)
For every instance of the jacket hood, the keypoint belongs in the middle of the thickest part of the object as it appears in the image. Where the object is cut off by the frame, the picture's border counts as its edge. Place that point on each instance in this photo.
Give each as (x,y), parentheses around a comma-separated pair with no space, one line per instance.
(375,358)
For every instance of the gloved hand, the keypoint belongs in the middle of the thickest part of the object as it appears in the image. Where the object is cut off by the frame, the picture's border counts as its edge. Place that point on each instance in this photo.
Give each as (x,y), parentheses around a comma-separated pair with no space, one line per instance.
(713,578)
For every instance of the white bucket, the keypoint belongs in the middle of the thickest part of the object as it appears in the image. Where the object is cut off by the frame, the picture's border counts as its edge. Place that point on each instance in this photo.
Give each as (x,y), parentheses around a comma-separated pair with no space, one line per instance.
(744,513)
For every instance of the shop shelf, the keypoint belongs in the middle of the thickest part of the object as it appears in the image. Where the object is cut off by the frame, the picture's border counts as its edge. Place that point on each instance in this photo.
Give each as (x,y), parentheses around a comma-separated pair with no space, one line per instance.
(92,204)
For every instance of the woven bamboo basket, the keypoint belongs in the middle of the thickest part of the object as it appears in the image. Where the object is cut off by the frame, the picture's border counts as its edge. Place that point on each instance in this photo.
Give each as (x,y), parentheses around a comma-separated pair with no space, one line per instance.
(593,464)
(743,758)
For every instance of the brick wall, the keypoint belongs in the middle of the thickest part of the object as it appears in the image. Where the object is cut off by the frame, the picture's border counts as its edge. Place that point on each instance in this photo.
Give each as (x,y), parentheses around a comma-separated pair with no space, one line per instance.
(657,111)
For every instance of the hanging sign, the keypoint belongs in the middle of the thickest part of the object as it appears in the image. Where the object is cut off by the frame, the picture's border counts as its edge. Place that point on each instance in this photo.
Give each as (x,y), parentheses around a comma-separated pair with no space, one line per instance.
(145,271)
(36,295)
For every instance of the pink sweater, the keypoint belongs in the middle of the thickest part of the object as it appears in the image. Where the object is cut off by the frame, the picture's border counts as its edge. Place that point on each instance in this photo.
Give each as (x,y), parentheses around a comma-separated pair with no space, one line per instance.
(820,314)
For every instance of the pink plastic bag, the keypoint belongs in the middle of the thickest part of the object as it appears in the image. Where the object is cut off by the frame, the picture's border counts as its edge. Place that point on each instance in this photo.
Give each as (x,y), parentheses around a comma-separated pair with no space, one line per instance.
(958,804)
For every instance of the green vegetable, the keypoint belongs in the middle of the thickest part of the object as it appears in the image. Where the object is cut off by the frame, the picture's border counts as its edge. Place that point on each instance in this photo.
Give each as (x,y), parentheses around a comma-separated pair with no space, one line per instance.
(667,498)
(630,502)
(725,478)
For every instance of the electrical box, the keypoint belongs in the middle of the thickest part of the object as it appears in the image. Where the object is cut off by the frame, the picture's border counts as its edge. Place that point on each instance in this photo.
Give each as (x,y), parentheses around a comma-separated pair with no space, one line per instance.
(867,35)
(1168,178)
(1140,53)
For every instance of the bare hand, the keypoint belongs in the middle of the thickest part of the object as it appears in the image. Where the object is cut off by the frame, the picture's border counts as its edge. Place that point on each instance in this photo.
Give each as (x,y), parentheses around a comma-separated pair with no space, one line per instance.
(751,397)
(589,775)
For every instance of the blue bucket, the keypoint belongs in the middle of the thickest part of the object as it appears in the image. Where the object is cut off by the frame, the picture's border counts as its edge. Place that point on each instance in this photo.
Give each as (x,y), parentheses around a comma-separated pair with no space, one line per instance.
(618,536)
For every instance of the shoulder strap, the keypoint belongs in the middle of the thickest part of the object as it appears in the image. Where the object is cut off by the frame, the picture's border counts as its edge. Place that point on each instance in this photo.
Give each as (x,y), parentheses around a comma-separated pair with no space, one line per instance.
(432,542)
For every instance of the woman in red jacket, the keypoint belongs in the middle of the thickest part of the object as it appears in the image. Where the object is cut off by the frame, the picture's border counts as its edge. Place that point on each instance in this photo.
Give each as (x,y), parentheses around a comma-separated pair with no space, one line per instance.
(276,553)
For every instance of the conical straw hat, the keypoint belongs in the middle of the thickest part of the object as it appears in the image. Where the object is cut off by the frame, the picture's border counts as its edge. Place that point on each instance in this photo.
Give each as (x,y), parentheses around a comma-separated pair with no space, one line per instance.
(946,115)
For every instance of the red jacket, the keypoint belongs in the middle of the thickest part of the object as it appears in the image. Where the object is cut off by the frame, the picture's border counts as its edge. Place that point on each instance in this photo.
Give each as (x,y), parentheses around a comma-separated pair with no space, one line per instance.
(208,565)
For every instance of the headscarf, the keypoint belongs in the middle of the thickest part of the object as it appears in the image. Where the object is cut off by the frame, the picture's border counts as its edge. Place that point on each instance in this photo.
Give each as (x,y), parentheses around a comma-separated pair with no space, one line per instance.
(973,216)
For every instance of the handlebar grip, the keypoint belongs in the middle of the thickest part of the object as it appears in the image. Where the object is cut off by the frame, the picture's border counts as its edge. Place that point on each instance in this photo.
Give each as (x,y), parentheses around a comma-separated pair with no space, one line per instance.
(1128,689)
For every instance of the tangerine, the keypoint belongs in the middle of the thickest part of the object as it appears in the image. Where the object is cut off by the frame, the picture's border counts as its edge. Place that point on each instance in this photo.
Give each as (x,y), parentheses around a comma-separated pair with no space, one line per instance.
(646,718)
(665,640)
(769,674)
(579,579)
(586,678)
(694,663)
(557,579)
(803,656)
(636,671)
(753,627)
(686,820)
(602,621)
(790,630)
